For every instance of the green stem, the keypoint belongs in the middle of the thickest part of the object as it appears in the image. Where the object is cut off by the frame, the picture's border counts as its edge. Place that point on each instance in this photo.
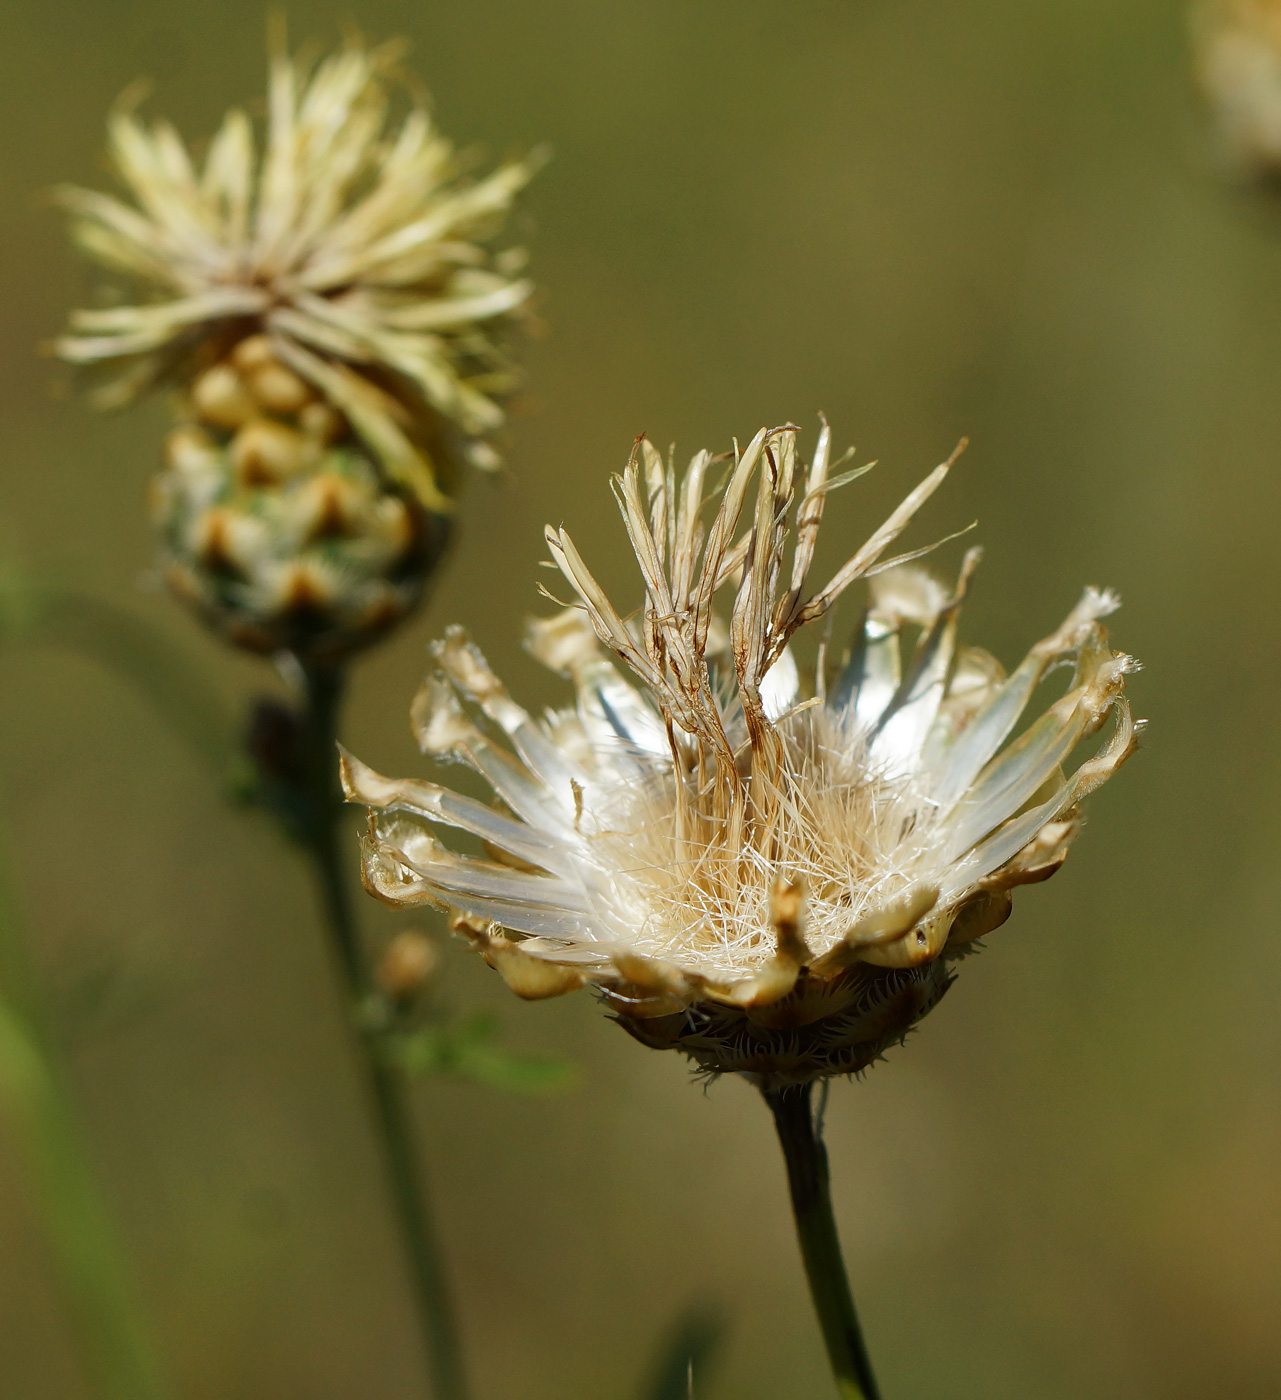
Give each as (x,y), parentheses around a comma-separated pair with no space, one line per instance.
(809,1180)
(406,1177)
(85,1248)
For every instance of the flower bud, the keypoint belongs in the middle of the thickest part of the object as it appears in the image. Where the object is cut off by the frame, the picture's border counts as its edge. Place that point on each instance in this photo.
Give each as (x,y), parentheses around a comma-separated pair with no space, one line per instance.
(408,965)
(336,373)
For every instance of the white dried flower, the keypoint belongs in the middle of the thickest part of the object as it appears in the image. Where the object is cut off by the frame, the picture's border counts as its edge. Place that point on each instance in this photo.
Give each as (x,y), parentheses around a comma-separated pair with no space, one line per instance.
(352,243)
(771,882)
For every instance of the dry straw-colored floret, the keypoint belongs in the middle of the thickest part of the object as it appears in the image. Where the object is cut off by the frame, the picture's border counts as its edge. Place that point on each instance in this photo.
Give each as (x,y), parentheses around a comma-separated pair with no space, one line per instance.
(770,878)
(325,300)
(1237,55)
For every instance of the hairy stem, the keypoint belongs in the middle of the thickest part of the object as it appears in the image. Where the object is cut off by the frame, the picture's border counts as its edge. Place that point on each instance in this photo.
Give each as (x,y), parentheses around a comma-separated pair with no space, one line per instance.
(405,1172)
(39,1110)
(800,1137)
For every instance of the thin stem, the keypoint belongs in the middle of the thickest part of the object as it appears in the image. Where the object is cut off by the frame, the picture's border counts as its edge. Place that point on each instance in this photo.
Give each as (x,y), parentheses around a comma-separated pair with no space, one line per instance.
(808,1178)
(403,1161)
(87,1252)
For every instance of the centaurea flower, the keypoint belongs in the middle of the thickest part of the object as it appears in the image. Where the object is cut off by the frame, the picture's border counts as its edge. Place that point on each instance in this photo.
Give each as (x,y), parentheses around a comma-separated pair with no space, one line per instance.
(772,878)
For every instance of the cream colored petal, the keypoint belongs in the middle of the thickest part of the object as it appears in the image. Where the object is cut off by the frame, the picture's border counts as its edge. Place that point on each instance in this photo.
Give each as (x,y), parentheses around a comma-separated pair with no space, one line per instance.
(887,922)
(442,728)
(447,314)
(438,804)
(228,175)
(372,414)
(532,979)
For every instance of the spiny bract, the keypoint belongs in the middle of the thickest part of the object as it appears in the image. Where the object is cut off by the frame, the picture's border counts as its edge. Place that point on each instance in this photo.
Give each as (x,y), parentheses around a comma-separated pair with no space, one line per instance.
(772,882)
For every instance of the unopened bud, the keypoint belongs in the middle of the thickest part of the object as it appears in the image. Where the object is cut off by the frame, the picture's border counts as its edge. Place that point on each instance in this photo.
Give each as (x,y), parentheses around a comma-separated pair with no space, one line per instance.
(279,390)
(265,453)
(347,367)
(219,397)
(408,965)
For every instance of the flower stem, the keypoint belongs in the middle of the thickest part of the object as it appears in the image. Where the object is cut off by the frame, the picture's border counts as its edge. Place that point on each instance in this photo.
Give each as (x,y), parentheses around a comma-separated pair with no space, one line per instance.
(42,1116)
(801,1139)
(405,1174)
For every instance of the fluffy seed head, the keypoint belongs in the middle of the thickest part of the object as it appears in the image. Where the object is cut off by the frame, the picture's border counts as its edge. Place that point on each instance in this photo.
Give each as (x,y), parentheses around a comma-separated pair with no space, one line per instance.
(768,876)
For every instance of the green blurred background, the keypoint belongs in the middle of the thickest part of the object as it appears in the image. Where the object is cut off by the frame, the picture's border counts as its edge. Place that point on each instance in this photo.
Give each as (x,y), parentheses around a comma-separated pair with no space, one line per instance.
(925,219)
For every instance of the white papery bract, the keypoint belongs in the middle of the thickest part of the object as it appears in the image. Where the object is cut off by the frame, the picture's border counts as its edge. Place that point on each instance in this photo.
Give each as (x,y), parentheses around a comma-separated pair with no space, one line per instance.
(768,877)
(351,241)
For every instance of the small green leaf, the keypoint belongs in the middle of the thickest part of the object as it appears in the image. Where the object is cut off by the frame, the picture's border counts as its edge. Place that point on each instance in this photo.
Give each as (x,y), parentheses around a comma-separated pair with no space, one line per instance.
(421,1052)
(518,1071)
(686,1354)
(468,1047)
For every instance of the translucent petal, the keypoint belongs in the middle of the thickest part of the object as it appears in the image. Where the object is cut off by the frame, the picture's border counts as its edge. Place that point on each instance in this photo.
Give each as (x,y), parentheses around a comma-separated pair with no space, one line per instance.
(872,676)
(1012,779)
(627,716)
(457,875)
(1002,845)
(985,733)
(439,804)
(442,728)
(908,718)
(781,686)
(520,918)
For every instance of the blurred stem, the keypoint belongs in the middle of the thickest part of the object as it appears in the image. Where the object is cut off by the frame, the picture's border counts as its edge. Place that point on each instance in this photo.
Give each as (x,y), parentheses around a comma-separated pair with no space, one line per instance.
(801,1139)
(324,694)
(75,1218)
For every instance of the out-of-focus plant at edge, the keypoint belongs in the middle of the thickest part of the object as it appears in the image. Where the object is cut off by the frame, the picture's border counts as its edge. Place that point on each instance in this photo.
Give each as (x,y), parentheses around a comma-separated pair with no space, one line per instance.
(322,302)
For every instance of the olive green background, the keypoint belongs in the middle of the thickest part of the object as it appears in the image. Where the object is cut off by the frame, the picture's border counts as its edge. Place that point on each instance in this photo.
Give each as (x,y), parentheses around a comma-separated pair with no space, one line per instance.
(925,219)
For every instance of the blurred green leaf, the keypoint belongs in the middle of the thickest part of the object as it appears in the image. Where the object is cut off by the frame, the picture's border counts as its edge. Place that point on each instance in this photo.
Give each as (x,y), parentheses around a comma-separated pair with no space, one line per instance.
(519,1071)
(469,1048)
(686,1355)
(39,1110)
(419,1052)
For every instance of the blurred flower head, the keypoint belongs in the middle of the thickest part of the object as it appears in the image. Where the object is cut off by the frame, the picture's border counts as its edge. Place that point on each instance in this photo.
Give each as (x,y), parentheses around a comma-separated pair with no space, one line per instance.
(326,302)
(1237,54)
(354,245)
(767,876)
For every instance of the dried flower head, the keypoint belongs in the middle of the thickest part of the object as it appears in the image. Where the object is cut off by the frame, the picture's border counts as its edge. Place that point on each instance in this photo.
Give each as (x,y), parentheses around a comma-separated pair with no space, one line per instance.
(769,880)
(1237,53)
(329,310)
